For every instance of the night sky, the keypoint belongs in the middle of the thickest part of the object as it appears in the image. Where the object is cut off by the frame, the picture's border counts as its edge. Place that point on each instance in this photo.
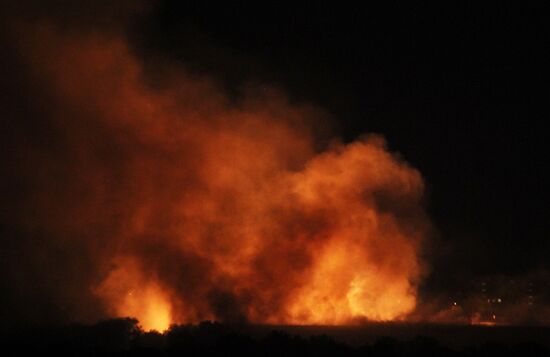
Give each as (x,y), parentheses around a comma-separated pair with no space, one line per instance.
(460,92)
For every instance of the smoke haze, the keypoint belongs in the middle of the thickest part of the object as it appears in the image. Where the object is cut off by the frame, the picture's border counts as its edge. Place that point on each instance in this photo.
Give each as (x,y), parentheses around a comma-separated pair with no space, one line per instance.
(166,200)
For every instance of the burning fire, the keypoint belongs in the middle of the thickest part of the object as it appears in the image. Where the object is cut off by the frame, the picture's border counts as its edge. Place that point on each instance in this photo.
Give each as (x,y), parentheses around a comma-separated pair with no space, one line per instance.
(191,206)
(133,295)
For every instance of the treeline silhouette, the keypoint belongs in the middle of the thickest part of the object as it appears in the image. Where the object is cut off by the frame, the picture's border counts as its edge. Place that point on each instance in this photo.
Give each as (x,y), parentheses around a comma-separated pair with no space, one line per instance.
(124,337)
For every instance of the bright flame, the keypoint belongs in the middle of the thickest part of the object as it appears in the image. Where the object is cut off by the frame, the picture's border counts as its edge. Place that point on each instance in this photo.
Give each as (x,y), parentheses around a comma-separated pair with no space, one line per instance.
(150,305)
(131,294)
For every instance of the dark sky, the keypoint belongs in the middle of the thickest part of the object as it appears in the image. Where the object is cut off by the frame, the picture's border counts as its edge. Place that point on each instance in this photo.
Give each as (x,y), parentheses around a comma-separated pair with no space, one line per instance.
(460,91)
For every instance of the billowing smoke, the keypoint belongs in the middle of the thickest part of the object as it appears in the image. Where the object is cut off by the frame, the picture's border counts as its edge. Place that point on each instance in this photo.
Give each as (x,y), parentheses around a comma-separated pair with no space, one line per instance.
(165,200)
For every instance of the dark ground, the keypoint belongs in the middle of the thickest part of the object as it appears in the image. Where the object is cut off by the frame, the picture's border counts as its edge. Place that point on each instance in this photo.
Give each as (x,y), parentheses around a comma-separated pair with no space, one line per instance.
(455,336)
(124,337)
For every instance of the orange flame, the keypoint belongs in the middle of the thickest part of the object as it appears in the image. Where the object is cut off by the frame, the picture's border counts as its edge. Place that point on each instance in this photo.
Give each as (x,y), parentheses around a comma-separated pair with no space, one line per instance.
(131,294)
(195,207)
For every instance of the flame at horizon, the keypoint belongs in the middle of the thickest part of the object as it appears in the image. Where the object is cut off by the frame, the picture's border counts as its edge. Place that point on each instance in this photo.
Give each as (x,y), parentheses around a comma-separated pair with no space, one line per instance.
(189,206)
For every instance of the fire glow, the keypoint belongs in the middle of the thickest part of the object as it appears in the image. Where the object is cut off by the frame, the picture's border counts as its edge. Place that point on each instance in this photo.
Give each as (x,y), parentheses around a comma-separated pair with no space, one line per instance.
(195,207)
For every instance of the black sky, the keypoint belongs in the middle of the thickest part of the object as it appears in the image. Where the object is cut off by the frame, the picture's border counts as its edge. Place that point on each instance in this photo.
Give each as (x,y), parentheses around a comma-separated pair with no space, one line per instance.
(460,91)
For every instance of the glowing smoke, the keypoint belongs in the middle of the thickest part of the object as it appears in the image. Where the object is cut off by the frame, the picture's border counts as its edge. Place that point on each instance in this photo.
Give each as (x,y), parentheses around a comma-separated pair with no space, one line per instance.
(182,205)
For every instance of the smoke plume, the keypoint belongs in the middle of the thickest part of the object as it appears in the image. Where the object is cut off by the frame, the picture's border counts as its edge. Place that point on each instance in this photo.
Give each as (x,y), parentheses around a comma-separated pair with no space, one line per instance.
(166,200)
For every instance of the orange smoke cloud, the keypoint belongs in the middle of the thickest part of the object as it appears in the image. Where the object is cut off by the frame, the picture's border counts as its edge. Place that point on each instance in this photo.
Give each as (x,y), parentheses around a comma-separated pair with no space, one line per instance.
(191,206)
